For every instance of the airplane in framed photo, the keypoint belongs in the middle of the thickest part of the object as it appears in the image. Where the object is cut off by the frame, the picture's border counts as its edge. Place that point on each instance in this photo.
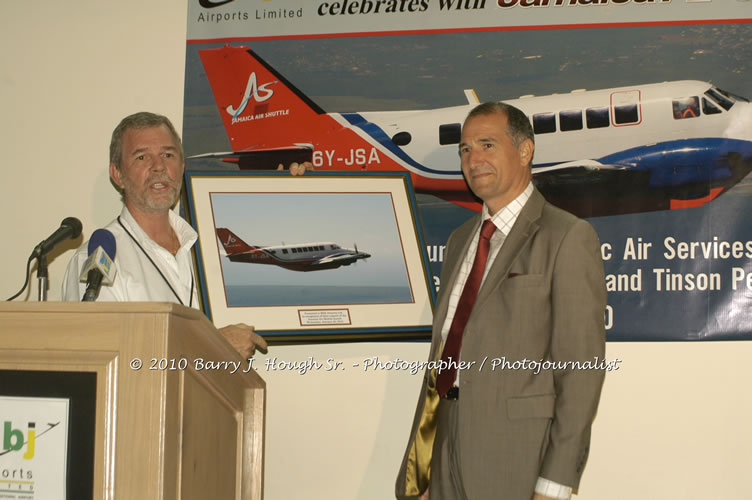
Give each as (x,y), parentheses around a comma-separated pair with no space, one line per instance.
(303,257)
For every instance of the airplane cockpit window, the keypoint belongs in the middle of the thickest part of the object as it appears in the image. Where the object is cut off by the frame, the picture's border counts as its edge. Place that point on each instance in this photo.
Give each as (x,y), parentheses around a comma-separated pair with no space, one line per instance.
(570,120)
(402,138)
(626,114)
(720,97)
(708,108)
(732,96)
(450,133)
(597,117)
(687,107)
(544,123)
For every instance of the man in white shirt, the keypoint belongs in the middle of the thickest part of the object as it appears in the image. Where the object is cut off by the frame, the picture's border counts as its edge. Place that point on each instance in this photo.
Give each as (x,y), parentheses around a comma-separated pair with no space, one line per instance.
(520,316)
(153,252)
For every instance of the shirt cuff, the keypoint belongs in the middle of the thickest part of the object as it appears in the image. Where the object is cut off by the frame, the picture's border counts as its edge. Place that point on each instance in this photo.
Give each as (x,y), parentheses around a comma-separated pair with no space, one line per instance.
(552,489)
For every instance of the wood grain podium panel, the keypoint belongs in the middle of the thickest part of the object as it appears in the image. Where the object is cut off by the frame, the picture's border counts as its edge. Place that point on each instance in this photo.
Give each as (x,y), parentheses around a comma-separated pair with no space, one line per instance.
(168,430)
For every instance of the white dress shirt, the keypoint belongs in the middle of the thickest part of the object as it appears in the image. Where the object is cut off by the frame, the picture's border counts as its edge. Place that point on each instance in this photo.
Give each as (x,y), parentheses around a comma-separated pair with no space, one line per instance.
(504,219)
(146,272)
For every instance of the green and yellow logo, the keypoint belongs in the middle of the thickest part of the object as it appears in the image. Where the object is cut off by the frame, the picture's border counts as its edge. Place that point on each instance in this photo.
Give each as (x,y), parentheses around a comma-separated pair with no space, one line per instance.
(14,439)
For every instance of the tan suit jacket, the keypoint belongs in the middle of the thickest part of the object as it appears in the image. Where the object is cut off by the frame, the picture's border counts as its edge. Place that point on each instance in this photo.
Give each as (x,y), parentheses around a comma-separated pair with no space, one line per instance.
(544,298)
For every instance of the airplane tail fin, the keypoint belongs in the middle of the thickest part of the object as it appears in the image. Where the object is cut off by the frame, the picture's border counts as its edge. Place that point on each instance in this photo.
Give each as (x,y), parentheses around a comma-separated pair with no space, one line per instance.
(232,242)
(260,109)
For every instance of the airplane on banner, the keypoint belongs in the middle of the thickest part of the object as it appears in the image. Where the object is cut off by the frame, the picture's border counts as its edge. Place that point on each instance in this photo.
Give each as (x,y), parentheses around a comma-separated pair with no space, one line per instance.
(622,150)
(303,257)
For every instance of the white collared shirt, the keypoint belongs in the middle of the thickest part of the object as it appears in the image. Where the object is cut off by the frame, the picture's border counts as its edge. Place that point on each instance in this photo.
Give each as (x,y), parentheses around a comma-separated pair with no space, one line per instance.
(504,219)
(138,262)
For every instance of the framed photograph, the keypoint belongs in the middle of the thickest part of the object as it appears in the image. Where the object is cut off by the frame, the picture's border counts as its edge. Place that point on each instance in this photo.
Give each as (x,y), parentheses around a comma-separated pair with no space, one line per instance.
(326,256)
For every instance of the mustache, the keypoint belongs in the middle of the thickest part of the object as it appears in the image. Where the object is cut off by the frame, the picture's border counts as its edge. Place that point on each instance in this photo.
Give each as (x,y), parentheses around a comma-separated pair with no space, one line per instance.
(163,178)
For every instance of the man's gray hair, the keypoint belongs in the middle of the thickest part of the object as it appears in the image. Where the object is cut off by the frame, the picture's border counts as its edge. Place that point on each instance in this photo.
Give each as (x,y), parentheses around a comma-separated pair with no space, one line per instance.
(140,120)
(518,125)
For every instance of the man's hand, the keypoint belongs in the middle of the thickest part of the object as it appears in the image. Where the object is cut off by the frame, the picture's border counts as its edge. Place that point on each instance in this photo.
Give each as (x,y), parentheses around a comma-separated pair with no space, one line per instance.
(297,168)
(244,339)
(424,496)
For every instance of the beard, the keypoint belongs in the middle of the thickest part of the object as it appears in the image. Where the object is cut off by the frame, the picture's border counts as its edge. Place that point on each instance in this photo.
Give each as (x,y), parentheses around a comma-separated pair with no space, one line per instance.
(145,199)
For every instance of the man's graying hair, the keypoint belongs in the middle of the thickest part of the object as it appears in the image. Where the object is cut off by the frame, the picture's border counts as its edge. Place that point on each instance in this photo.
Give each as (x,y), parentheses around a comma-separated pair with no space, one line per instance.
(518,125)
(140,120)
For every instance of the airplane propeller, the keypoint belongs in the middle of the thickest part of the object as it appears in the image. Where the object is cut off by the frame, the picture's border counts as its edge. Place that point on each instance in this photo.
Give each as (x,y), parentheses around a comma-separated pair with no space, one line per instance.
(355,245)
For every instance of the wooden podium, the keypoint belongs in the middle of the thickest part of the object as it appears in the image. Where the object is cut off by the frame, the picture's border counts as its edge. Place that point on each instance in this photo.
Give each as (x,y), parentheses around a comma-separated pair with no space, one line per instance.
(172,429)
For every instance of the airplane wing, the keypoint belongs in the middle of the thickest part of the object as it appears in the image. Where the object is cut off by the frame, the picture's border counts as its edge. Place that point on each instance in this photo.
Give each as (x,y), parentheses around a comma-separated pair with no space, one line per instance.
(589,188)
(262,158)
(337,260)
(341,259)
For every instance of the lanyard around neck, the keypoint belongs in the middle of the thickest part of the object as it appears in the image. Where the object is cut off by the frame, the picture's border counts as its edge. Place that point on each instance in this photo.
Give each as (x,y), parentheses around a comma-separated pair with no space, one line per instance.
(157,267)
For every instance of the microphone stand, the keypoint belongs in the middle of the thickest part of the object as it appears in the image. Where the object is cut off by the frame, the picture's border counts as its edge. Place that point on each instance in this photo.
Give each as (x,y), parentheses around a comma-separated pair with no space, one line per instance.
(42,276)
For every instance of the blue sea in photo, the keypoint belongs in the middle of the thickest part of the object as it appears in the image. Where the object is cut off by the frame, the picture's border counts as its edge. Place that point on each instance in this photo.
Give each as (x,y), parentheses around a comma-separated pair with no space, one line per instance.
(276,295)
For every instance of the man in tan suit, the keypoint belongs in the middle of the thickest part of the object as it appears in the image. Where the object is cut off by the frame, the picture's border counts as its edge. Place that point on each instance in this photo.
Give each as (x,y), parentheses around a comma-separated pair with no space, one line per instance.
(513,422)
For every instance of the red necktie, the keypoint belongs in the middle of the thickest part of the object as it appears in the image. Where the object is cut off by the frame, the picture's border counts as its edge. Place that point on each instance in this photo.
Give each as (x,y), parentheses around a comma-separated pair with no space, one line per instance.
(469,293)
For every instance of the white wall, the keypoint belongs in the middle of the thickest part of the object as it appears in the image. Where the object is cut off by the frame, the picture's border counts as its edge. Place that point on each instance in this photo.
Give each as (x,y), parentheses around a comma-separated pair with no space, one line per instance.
(674,421)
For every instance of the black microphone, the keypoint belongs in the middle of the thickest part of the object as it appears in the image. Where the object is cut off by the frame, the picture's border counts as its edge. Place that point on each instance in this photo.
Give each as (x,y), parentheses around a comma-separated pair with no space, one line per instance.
(98,269)
(70,228)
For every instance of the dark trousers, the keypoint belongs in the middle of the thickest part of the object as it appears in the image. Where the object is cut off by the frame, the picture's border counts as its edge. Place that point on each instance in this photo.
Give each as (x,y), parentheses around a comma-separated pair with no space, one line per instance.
(446,479)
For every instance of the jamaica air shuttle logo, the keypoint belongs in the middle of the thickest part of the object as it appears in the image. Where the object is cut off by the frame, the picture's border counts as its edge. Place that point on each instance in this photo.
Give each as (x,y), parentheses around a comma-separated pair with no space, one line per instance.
(253,90)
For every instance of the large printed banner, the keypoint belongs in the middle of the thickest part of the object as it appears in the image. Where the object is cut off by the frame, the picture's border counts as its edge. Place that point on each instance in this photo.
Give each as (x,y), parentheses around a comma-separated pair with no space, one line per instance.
(640,109)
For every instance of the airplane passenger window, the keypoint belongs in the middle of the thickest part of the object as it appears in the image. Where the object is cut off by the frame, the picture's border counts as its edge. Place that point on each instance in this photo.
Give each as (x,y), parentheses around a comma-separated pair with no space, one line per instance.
(687,107)
(626,114)
(570,120)
(544,123)
(402,138)
(597,117)
(450,133)
(708,108)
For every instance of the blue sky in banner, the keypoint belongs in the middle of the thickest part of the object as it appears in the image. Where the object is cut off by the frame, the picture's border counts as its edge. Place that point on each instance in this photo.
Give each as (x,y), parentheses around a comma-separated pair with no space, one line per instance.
(431,70)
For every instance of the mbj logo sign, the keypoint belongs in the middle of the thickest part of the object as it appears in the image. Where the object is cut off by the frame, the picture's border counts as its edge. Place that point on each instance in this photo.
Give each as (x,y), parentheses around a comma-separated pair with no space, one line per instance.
(14,439)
